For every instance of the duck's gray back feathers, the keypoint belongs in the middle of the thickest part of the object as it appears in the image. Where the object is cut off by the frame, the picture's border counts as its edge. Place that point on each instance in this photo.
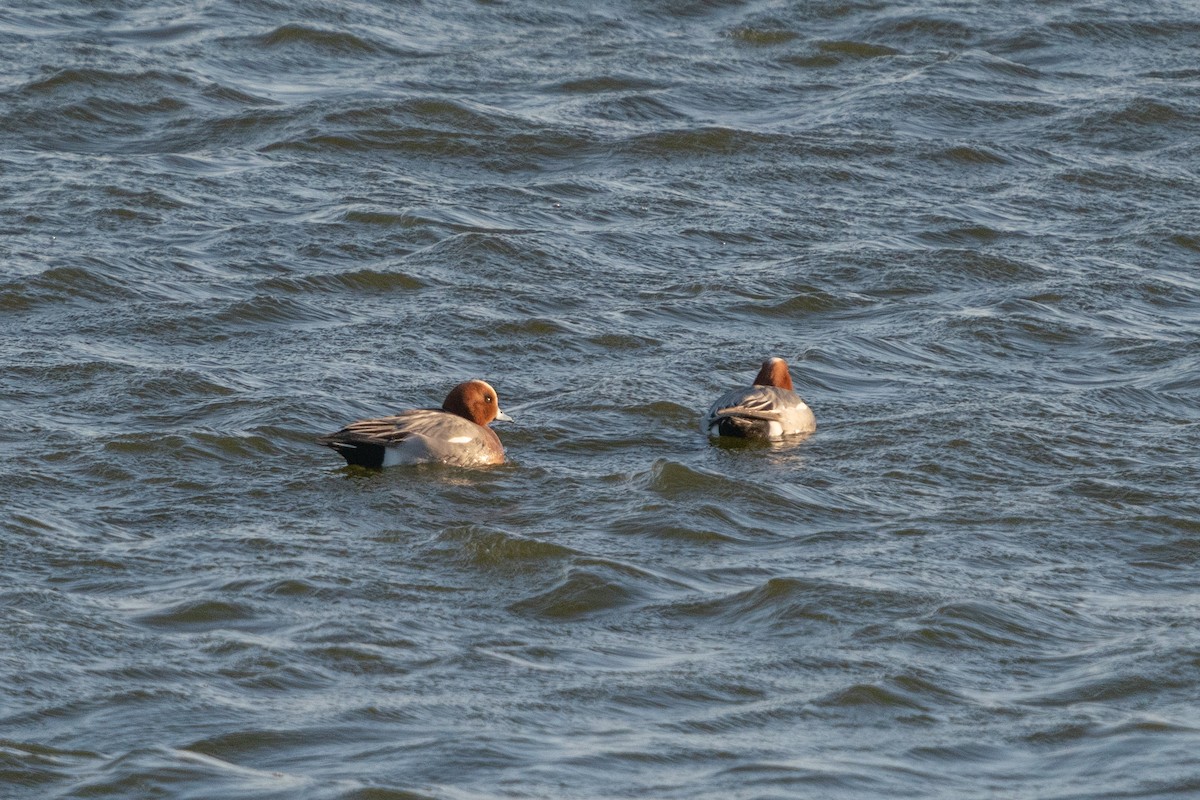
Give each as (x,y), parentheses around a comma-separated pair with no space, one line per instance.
(759,412)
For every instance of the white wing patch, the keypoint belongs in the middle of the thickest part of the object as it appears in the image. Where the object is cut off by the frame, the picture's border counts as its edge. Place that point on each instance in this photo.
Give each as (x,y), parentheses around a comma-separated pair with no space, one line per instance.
(459,439)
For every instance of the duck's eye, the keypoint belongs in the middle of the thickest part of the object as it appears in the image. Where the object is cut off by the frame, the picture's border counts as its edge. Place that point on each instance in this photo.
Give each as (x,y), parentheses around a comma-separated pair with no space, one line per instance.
(487,399)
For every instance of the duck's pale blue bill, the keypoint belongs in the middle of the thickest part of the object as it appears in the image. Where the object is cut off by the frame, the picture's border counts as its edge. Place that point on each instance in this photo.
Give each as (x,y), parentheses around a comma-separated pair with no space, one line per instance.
(502,417)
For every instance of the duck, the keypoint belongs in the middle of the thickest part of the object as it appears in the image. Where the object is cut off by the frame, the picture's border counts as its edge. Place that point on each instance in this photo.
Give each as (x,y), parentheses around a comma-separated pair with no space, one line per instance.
(770,409)
(456,434)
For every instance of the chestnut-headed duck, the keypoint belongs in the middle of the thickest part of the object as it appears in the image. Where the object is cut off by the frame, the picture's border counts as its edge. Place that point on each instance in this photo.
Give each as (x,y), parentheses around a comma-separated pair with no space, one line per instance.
(769,409)
(457,433)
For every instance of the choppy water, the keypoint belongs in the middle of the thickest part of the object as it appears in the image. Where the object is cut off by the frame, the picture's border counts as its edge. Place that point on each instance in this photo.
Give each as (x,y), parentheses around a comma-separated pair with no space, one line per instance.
(227,227)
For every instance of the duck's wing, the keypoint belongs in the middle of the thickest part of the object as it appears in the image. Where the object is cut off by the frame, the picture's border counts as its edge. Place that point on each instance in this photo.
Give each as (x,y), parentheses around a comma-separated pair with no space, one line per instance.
(383,431)
(759,412)
(747,403)
(757,402)
(413,437)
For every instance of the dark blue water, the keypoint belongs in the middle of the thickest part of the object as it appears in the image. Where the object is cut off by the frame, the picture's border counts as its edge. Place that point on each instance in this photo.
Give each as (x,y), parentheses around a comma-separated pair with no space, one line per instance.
(229,227)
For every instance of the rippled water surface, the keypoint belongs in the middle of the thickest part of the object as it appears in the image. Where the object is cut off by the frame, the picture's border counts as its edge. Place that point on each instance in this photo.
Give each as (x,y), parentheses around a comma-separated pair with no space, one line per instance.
(229,227)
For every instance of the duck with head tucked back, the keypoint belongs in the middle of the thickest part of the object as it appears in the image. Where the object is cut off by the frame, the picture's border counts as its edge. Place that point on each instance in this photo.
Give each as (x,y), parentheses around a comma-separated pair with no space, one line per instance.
(769,409)
(457,433)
